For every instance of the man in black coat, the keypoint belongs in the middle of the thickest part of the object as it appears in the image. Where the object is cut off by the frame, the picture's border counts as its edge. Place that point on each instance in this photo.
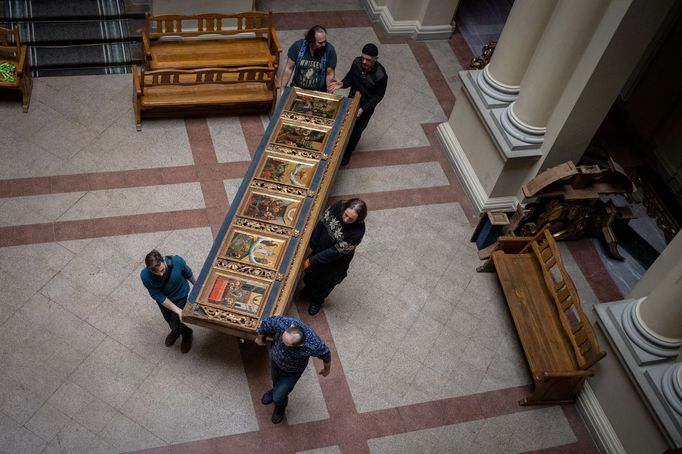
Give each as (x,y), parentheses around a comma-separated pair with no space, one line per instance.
(367,76)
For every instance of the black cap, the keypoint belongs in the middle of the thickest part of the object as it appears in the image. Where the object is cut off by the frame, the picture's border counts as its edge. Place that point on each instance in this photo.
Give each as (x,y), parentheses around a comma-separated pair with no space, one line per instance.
(371,50)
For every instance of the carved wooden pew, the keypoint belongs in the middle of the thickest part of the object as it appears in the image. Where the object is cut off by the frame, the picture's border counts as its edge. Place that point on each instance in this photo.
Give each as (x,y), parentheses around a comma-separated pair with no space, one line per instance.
(14,70)
(211,40)
(199,91)
(556,336)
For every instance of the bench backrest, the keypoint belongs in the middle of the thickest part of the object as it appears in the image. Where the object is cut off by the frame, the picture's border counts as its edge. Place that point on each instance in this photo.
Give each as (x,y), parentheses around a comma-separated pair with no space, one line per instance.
(560,285)
(257,22)
(9,42)
(248,74)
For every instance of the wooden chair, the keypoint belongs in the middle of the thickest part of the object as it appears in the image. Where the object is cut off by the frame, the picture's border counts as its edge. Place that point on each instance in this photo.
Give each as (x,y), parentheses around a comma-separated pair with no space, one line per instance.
(14,73)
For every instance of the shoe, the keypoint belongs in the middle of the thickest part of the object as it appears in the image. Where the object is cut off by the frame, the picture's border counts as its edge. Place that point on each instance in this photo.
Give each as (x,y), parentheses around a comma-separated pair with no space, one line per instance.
(186,343)
(171,338)
(267,398)
(345,162)
(314,309)
(277,414)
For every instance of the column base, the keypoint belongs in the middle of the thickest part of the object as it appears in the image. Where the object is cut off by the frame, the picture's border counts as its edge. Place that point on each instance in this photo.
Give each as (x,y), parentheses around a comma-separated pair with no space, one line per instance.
(472,185)
(653,375)
(491,112)
(412,28)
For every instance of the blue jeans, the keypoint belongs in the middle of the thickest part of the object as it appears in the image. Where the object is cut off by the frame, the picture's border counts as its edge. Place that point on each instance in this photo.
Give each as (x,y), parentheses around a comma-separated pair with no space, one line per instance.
(282,384)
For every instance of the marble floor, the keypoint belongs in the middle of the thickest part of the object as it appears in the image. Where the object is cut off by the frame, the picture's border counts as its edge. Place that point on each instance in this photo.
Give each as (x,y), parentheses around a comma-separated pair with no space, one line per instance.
(425,358)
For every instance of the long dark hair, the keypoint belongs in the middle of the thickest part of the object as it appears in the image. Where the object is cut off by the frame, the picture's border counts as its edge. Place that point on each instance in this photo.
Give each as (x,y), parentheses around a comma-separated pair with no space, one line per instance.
(310,35)
(357,205)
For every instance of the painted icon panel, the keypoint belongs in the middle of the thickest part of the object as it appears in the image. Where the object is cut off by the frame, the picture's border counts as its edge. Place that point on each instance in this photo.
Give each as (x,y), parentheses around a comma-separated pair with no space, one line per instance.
(253,248)
(230,292)
(287,170)
(270,207)
(313,104)
(293,135)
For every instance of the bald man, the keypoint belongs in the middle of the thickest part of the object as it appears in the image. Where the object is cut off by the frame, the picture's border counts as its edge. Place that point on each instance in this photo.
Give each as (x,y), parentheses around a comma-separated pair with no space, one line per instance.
(295,343)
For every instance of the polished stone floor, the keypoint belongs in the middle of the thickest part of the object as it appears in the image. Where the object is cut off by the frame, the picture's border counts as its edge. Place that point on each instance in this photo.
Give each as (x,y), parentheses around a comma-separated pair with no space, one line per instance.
(425,355)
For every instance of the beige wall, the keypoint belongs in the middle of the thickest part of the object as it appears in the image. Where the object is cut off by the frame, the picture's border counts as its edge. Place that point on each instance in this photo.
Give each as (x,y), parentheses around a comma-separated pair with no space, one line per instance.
(439,12)
(403,10)
(627,413)
(476,142)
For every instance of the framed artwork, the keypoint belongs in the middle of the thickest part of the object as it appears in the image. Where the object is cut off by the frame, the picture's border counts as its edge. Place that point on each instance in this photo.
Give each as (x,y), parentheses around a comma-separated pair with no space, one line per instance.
(271,207)
(253,248)
(293,135)
(294,171)
(314,103)
(237,293)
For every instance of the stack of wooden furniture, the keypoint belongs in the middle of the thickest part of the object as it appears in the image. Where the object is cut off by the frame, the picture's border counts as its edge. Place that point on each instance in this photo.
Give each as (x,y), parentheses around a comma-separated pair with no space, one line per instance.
(14,71)
(556,336)
(206,63)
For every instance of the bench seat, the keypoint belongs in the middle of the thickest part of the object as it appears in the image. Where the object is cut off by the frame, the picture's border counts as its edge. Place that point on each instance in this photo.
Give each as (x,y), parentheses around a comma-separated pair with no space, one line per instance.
(227,52)
(539,329)
(201,91)
(175,96)
(556,336)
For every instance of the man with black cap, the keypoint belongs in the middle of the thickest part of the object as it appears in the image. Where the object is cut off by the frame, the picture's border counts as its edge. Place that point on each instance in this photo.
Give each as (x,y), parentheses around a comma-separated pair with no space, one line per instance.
(367,76)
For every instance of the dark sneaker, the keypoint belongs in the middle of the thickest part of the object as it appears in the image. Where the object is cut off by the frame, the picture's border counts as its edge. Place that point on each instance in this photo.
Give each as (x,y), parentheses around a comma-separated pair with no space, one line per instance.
(171,338)
(267,398)
(186,343)
(277,415)
(313,309)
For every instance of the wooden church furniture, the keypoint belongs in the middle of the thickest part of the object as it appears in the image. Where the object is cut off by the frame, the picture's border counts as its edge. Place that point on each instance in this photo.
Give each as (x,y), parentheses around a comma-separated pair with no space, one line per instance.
(556,336)
(14,70)
(200,91)
(210,41)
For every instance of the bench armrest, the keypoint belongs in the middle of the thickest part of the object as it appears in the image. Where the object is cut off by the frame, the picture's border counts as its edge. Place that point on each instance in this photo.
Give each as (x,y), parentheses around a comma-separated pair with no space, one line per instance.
(22,59)
(146,46)
(137,85)
(276,45)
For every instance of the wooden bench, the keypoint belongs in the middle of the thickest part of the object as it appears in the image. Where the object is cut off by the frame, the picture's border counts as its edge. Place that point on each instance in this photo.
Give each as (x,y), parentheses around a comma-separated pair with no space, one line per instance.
(14,71)
(202,91)
(211,41)
(556,336)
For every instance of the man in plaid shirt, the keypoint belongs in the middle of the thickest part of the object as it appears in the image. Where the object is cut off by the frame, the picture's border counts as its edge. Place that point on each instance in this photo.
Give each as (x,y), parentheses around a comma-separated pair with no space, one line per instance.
(295,343)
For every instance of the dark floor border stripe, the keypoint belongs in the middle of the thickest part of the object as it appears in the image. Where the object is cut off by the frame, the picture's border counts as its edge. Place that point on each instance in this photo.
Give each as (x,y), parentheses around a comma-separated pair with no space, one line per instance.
(591,265)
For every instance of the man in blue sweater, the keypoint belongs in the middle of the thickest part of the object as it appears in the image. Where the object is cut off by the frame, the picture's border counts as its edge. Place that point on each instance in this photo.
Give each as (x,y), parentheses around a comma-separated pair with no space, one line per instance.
(166,280)
(295,343)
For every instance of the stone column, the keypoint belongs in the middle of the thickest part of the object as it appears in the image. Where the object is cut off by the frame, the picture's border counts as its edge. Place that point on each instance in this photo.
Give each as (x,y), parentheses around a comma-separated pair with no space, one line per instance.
(501,78)
(660,313)
(566,36)
(647,334)
(661,267)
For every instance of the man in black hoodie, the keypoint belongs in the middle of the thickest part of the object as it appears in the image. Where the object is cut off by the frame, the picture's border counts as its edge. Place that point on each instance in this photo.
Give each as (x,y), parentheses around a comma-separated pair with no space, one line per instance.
(367,76)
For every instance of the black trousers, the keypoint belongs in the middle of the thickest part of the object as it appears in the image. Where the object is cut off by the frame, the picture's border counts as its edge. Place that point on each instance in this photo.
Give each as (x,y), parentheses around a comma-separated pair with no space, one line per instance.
(173,319)
(321,280)
(360,125)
